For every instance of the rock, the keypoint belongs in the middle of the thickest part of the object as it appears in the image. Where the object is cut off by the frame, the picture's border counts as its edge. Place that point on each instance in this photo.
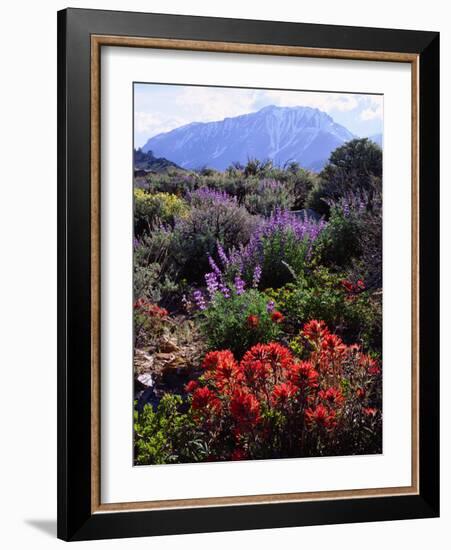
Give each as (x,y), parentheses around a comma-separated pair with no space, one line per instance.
(168,346)
(143,362)
(164,357)
(146,379)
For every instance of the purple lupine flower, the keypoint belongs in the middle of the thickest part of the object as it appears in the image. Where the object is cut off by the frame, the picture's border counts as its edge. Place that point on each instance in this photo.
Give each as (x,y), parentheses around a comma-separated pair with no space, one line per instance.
(199,300)
(285,222)
(236,259)
(256,276)
(244,263)
(225,290)
(136,243)
(270,306)
(212,283)
(214,267)
(285,226)
(353,201)
(239,285)
(346,208)
(222,255)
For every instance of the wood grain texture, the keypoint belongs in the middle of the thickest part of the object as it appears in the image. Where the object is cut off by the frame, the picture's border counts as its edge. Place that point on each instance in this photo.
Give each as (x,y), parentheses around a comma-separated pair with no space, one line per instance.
(262,49)
(97,41)
(415,68)
(95,276)
(255,499)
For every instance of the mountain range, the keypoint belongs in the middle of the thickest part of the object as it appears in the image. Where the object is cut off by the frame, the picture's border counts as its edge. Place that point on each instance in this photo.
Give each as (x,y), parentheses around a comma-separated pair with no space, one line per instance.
(281,134)
(148,162)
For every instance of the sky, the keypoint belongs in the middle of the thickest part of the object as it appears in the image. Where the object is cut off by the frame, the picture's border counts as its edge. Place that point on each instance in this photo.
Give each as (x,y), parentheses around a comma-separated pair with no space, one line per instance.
(161,107)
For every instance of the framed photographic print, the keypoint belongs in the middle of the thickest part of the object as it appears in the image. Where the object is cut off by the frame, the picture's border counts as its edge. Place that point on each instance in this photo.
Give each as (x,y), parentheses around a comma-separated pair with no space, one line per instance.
(248,274)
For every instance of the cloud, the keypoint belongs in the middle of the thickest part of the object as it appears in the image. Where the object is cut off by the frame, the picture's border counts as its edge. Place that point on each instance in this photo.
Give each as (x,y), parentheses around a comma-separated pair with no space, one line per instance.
(372,112)
(204,104)
(323,101)
(152,124)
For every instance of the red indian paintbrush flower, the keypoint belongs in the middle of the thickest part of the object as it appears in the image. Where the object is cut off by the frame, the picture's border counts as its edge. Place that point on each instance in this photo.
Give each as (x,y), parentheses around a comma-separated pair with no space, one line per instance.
(227,375)
(369,364)
(160,312)
(245,409)
(350,287)
(303,375)
(360,392)
(255,372)
(265,359)
(252,321)
(147,308)
(282,393)
(333,345)
(315,330)
(222,368)
(369,411)
(216,359)
(204,398)
(373,368)
(277,317)
(332,396)
(273,353)
(347,285)
(191,386)
(321,417)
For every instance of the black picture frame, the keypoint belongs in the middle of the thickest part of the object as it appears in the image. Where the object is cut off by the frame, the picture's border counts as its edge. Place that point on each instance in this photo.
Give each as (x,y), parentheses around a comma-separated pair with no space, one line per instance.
(75,518)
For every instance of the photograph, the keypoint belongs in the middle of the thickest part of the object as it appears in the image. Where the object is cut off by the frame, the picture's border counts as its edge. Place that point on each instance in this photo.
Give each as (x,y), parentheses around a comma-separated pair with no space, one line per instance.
(248,273)
(257,273)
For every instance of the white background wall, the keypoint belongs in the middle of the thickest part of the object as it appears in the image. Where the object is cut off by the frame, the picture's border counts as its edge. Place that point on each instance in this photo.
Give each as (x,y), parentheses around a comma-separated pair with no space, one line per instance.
(28,271)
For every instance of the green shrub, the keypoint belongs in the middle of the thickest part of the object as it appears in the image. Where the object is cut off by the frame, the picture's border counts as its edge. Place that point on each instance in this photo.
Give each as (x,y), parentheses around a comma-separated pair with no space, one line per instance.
(339,243)
(355,314)
(316,199)
(168,435)
(269,195)
(195,237)
(303,181)
(239,321)
(369,264)
(355,166)
(152,283)
(148,321)
(151,209)
(155,271)
(255,167)
(176,182)
(231,182)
